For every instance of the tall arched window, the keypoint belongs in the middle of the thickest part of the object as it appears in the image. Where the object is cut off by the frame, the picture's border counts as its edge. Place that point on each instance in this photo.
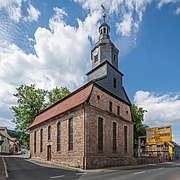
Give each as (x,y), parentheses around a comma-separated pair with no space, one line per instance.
(49,133)
(70,134)
(41,140)
(114,136)
(34,141)
(100,134)
(58,136)
(125,139)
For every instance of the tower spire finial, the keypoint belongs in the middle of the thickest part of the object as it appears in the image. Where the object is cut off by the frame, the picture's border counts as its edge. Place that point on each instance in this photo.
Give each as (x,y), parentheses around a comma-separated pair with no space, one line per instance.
(104,14)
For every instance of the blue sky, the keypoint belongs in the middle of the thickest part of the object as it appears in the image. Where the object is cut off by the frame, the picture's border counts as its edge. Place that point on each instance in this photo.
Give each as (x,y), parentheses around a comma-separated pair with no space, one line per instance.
(48,43)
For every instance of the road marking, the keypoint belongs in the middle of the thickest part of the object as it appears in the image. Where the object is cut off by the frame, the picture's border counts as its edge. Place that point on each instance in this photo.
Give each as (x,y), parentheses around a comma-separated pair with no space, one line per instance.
(5,167)
(151,164)
(140,172)
(54,177)
(80,173)
(161,168)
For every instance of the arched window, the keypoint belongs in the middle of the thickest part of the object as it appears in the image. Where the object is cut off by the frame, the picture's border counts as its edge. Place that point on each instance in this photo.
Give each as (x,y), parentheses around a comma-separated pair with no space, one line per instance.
(114,137)
(34,141)
(125,139)
(70,134)
(58,136)
(104,30)
(41,140)
(49,133)
(100,134)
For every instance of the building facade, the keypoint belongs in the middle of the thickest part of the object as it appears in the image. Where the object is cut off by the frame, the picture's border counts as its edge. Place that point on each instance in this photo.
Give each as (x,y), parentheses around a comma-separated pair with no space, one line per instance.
(5,141)
(93,126)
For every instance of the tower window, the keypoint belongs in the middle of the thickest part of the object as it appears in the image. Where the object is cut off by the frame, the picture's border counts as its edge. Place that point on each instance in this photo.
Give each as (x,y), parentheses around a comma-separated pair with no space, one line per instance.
(98,97)
(115,82)
(101,31)
(118,110)
(114,137)
(96,58)
(125,138)
(100,134)
(107,31)
(114,58)
(110,106)
(104,30)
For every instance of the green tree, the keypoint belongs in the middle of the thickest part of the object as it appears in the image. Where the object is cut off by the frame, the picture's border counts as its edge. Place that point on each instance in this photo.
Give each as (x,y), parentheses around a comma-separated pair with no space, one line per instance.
(140,128)
(56,94)
(30,101)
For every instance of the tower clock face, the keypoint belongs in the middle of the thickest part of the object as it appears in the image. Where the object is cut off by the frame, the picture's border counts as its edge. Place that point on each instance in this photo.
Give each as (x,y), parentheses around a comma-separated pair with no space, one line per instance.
(96,51)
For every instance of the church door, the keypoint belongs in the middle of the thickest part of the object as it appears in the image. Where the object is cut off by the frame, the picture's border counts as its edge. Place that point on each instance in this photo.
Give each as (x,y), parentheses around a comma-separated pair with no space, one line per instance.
(49,153)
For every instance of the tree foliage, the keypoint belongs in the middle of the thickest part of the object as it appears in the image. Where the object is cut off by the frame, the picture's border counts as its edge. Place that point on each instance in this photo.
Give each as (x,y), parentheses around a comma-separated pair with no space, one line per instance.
(140,128)
(30,101)
(56,94)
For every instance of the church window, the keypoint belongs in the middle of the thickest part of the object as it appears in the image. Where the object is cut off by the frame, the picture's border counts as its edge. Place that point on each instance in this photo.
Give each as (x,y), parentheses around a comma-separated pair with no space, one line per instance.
(41,140)
(114,58)
(100,134)
(118,110)
(107,31)
(101,31)
(114,136)
(115,82)
(96,58)
(58,136)
(104,30)
(110,106)
(70,134)
(125,138)
(35,142)
(49,133)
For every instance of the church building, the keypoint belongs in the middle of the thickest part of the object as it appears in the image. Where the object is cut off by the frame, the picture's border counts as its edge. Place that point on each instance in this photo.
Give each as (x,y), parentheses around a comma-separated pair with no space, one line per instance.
(93,126)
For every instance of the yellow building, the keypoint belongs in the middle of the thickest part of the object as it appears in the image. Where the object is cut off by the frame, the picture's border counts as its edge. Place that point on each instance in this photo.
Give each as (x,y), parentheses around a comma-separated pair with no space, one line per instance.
(158,143)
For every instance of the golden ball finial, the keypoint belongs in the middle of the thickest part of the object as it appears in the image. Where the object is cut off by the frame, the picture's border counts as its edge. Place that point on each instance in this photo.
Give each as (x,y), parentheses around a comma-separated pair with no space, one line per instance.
(104,15)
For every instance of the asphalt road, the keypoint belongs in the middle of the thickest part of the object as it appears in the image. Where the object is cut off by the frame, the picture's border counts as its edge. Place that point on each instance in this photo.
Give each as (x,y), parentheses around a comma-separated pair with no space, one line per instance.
(21,169)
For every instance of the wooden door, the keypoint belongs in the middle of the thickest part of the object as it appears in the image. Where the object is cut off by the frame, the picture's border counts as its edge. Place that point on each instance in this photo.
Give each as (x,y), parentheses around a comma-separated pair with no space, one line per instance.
(49,153)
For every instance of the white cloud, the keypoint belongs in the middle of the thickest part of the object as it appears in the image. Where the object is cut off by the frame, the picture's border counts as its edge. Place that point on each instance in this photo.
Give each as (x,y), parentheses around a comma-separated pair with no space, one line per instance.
(164,2)
(33,14)
(178,11)
(62,57)
(130,12)
(6,3)
(126,25)
(161,109)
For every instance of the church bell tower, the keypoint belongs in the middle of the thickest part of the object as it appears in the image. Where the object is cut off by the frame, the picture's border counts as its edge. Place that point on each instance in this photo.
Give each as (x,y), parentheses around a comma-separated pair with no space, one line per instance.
(104,48)
(104,57)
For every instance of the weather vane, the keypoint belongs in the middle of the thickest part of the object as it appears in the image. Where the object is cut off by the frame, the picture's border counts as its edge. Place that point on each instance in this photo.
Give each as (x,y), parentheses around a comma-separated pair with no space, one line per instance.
(104,14)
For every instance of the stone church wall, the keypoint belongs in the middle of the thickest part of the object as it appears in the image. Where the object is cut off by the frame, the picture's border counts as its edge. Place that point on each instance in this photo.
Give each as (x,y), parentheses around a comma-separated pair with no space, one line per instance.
(70,158)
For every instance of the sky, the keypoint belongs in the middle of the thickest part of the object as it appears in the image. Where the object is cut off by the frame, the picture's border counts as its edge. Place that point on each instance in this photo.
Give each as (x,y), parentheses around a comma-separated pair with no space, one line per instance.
(48,43)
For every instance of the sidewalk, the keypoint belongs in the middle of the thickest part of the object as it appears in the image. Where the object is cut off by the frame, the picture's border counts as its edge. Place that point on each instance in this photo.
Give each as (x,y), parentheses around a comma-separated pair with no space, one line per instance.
(112,168)
(2,170)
